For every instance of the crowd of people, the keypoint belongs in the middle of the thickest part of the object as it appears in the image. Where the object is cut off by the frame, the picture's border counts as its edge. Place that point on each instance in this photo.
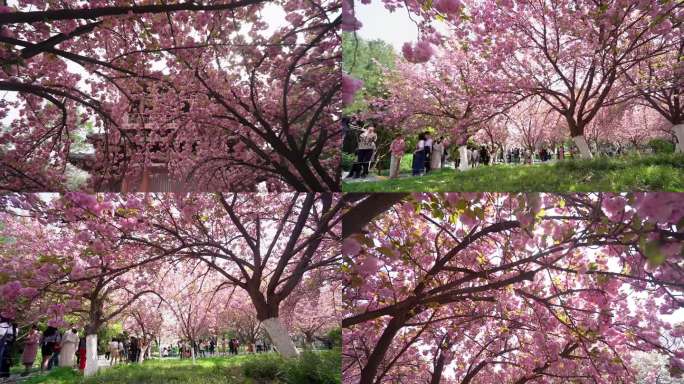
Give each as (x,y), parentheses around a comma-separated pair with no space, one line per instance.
(432,153)
(428,155)
(126,349)
(213,347)
(58,349)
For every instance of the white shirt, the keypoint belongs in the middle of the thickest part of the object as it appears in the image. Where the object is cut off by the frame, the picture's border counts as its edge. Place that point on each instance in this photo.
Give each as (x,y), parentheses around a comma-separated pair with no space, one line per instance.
(421,145)
(428,142)
(6,329)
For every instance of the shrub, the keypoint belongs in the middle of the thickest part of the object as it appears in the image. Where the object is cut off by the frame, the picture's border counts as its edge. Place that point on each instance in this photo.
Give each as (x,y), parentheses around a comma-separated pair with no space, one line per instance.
(313,368)
(348,159)
(335,337)
(263,367)
(661,146)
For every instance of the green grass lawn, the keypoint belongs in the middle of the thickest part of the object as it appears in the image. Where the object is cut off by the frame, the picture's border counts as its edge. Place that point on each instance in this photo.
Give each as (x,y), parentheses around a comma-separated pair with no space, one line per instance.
(662,172)
(265,369)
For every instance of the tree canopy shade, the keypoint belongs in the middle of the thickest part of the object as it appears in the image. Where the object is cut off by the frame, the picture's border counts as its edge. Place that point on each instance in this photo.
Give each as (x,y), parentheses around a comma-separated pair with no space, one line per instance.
(222,95)
(508,288)
(97,256)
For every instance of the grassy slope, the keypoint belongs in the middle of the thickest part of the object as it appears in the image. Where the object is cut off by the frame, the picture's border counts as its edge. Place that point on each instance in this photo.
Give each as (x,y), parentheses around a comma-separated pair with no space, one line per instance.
(653,173)
(206,371)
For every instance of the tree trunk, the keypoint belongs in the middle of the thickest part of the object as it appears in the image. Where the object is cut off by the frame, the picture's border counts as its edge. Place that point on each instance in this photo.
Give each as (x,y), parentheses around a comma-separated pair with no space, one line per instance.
(370,370)
(581,143)
(280,336)
(91,355)
(395,165)
(192,351)
(438,369)
(463,154)
(679,132)
(159,345)
(143,351)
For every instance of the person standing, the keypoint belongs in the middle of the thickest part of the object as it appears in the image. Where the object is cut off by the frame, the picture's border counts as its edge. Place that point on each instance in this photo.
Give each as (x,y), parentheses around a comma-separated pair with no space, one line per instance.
(437,154)
(28,357)
(113,352)
(428,151)
(397,149)
(69,344)
(48,343)
(419,156)
(8,333)
(81,354)
(364,153)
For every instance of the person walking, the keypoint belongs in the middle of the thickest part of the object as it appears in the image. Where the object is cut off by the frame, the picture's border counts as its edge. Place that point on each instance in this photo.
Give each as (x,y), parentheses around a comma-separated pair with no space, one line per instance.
(419,156)
(8,333)
(28,356)
(67,351)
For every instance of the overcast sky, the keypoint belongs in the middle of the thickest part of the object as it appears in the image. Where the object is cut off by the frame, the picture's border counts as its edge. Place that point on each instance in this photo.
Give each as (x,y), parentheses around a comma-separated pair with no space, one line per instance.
(378,23)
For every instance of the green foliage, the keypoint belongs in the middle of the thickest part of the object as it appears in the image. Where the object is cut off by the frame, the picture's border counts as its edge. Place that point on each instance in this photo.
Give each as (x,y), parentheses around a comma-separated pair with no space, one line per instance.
(365,60)
(335,336)
(219,370)
(348,160)
(314,368)
(661,172)
(106,334)
(263,367)
(322,367)
(661,146)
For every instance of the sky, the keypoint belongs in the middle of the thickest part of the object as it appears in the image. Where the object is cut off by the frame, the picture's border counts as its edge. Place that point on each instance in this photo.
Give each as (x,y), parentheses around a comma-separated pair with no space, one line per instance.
(379,23)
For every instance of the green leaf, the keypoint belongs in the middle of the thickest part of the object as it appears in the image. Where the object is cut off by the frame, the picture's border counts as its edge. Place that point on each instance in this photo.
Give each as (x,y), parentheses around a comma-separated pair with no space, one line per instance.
(651,249)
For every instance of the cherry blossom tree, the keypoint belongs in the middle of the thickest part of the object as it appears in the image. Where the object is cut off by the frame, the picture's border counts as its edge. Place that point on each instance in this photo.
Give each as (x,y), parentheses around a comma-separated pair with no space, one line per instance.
(658,81)
(532,124)
(209,92)
(449,93)
(263,244)
(315,310)
(97,276)
(513,288)
(575,55)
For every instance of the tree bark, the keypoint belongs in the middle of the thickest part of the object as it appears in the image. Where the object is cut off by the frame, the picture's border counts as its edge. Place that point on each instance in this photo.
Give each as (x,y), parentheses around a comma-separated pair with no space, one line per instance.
(143,351)
(678,130)
(581,143)
(91,355)
(365,211)
(375,358)
(463,154)
(280,337)
(395,165)
(439,368)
